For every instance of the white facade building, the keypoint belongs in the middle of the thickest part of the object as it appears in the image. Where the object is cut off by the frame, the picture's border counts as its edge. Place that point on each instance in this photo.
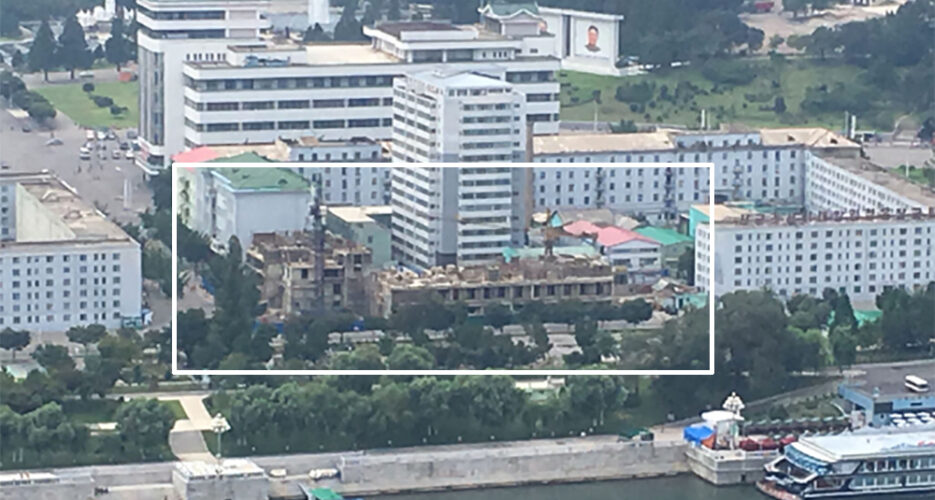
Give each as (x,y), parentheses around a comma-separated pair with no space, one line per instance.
(462,215)
(846,184)
(172,32)
(230,201)
(641,256)
(765,165)
(859,255)
(336,91)
(62,263)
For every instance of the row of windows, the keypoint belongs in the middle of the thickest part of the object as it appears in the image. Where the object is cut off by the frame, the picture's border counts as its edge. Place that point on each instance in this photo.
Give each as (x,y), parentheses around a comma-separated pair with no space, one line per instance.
(50,318)
(288,125)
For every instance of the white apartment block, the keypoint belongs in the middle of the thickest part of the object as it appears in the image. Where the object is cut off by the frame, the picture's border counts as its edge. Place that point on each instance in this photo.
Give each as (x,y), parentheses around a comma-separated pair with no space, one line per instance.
(336,91)
(460,215)
(859,255)
(765,165)
(848,184)
(221,202)
(62,263)
(171,33)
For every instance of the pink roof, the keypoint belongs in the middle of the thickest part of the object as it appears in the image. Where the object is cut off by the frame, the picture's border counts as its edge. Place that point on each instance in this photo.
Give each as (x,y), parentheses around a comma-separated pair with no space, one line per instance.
(613,235)
(581,227)
(197,155)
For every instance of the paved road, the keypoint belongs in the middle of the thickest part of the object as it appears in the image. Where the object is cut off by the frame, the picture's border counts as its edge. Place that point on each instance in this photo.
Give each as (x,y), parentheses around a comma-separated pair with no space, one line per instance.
(108,74)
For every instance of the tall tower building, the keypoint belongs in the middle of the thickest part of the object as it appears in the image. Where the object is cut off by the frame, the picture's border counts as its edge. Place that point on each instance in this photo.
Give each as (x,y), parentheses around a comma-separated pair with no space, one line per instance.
(172,32)
(447,214)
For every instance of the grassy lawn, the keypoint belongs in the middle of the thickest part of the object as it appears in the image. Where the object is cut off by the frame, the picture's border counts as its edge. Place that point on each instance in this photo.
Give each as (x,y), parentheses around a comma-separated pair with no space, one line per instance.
(176,409)
(788,79)
(72,101)
(90,411)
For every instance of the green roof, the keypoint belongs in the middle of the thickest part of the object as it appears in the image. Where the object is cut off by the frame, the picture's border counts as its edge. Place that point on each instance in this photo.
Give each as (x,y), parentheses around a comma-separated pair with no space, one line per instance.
(664,235)
(249,157)
(263,179)
(510,253)
(323,494)
(507,8)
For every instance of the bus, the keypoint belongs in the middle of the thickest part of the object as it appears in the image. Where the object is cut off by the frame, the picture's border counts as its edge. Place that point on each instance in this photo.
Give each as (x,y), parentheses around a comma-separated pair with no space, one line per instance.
(916,384)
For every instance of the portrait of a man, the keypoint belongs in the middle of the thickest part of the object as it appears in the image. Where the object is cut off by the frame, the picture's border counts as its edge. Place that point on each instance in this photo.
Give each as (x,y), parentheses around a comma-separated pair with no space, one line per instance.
(592,39)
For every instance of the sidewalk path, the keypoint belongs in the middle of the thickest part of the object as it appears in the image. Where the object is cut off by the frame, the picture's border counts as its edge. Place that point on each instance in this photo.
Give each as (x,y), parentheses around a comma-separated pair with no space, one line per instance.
(185,439)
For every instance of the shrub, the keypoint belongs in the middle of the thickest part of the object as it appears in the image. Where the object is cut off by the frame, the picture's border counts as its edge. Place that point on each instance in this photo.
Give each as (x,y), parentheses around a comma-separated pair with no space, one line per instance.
(116,110)
(728,72)
(88,87)
(640,92)
(102,101)
(41,110)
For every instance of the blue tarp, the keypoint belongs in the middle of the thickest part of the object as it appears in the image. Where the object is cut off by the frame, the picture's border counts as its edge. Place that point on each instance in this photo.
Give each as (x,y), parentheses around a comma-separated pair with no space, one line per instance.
(697,433)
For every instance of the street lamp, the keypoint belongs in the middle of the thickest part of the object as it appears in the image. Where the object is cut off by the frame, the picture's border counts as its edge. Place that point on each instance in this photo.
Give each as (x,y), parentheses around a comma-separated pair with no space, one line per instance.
(219,426)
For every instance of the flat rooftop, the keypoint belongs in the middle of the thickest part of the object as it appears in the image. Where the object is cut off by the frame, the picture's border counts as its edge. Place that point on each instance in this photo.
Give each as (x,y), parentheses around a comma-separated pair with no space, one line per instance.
(601,143)
(396,28)
(227,467)
(869,443)
(813,137)
(346,53)
(886,179)
(262,179)
(73,218)
(359,214)
(460,80)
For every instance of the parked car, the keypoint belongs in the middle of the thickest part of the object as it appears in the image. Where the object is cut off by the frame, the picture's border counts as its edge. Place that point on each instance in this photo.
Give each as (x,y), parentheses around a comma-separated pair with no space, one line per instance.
(26,128)
(101,135)
(277,473)
(90,135)
(110,135)
(86,75)
(124,146)
(131,134)
(116,154)
(128,155)
(55,141)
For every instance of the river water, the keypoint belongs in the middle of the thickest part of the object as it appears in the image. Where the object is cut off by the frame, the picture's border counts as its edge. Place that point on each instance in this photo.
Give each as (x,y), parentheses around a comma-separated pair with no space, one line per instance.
(683,487)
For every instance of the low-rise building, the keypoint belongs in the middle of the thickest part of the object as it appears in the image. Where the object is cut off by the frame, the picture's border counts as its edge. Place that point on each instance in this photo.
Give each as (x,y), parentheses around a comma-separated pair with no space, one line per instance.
(881,397)
(62,262)
(234,479)
(844,184)
(362,226)
(221,202)
(290,284)
(673,244)
(45,486)
(512,284)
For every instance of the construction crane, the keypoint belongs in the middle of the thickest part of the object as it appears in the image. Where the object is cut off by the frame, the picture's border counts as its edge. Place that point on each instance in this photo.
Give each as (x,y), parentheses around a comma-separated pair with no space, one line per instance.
(315,225)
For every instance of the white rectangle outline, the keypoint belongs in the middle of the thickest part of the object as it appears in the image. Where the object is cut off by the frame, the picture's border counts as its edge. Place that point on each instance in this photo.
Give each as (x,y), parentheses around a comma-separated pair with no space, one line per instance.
(711,296)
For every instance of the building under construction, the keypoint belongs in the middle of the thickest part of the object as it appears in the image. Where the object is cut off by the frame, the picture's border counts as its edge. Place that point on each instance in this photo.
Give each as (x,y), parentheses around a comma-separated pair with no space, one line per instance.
(547,279)
(289,283)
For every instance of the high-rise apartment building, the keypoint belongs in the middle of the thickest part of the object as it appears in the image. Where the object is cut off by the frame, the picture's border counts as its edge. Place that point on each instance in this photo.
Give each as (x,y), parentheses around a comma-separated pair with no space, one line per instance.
(171,33)
(463,215)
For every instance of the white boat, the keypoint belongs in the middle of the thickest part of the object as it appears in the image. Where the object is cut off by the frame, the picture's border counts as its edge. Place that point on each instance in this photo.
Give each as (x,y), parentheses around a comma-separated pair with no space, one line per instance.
(862,463)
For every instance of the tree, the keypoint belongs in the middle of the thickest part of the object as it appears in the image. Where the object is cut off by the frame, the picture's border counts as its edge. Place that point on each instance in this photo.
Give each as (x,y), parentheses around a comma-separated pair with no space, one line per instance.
(85,335)
(348,28)
(315,34)
(595,396)
(498,315)
(821,41)
(17,60)
(14,340)
(795,6)
(779,105)
(72,47)
(41,111)
(370,17)
(54,358)
(636,310)
(410,357)
(87,87)
(365,357)
(843,347)
(775,41)
(117,49)
(144,424)
(686,266)
(9,20)
(392,10)
(10,84)
(42,52)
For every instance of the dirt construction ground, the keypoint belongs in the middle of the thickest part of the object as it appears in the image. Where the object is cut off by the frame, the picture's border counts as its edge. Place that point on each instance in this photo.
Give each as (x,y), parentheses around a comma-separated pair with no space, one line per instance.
(783,24)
